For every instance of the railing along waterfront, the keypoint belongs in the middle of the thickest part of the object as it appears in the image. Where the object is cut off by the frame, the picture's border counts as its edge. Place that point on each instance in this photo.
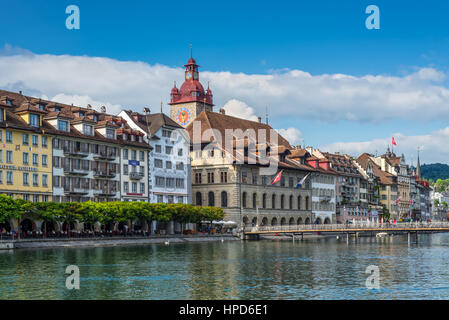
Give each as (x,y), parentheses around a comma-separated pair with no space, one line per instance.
(349,227)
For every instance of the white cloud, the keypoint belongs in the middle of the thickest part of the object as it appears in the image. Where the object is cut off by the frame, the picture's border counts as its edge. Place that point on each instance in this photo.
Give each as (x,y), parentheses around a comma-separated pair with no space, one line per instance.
(287,93)
(293,135)
(434,146)
(83,101)
(239,109)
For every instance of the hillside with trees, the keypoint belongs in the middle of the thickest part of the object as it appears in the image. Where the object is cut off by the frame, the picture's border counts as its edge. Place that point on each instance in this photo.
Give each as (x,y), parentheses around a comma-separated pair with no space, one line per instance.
(435,171)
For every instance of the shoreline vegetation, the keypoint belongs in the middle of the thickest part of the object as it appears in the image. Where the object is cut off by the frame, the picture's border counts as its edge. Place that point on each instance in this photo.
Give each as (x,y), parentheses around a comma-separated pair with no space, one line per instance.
(97,218)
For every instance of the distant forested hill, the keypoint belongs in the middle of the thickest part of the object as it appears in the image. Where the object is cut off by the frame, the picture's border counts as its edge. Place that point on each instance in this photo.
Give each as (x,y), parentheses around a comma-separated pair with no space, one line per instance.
(435,171)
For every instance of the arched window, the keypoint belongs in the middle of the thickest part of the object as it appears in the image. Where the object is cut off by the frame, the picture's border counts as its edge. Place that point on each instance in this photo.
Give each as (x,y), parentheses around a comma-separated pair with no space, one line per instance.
(273,201)
(244,199)
(264,201)
(254,200)
(282,201)
(290,203)
(224,199)
(307,203)
(211,199)
(199,199)
(299,202)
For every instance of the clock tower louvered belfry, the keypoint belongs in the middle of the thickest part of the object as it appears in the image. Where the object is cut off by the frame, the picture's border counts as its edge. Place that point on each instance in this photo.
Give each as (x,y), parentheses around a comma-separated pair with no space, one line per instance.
(190,99)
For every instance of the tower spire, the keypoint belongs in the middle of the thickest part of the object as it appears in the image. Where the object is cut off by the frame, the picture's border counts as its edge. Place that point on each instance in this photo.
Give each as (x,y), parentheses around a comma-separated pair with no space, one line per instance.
(418,167)
(191,51)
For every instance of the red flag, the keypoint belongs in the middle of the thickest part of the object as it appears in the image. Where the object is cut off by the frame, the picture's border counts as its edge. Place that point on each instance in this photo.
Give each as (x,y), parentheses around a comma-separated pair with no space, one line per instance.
(393,142)
(277,178)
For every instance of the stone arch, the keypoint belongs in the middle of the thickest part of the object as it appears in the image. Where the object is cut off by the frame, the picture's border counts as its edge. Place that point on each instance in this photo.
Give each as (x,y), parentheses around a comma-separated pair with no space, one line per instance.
(224,199)
(48,226)
(264,221)
(299,202)
(291,222)
(327,221)
(318,221)
(282,201)
(264,201)
(211,199)
(245,220)
(27,225)
(283,221)
(274,221)
(307,221)
(6,226)
(254,221)
(290,202)
(307,203)
(199,199)
(299,221)
(273,201)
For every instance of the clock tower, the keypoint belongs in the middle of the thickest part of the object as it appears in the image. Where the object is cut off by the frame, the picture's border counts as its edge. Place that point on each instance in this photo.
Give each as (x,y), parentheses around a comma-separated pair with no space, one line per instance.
(190,99)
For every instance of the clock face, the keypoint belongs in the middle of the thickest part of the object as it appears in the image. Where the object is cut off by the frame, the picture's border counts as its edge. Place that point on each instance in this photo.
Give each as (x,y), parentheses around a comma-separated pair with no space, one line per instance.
(183,116)
(188,75)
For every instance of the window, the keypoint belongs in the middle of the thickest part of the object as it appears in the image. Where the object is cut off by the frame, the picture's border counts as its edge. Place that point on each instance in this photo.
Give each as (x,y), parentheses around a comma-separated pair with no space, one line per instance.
(170,199)
(160,199)
(179,152)
(125,169)
(34,140)
(264,180)
(1,177)
(133,154)
(168,150)
(34,120)
(198,178)
(45,180)
(255,178)
(26,178)
(1,155)
(25,158)
(44,198)
(166,133)
(160,181)
(224,199)
(25,139)
(223,177)
(125,154)
(170,182)
(199,199)
(142,187)
(63,125)
(1,135)
(158,149)
(35,159)
(9,156)
(134,187)
(88,129)
(180,199)
(141,170)
(36,198)
(35,180)
(211,199)
(158,163)
(1,114)
(9,177)
(179,183)
(8,136)
(125,187)
(44,142)
(168,164)
(210,177)
(141,156)
(44,160)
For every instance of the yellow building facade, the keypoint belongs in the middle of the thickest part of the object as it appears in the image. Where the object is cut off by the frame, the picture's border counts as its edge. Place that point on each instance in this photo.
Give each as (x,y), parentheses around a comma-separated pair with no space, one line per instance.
(25,162)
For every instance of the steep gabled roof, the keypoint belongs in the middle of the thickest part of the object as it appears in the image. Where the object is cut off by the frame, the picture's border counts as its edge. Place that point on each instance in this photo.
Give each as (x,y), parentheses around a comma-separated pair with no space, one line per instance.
(151,123)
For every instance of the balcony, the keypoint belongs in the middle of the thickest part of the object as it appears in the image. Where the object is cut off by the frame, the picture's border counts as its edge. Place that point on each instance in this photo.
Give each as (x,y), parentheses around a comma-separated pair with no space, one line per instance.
(76,171)
(105,192)
(325,198)
(77,153)
(106,156)
(76,190)
(136,175)
(104,174)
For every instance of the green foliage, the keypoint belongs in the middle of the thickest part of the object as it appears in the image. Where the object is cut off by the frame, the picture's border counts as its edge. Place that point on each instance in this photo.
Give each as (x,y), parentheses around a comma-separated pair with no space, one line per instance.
(105,212)
(435,171)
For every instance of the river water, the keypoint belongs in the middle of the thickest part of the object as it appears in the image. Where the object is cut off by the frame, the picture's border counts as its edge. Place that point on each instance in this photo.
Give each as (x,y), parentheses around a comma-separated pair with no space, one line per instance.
(312,269)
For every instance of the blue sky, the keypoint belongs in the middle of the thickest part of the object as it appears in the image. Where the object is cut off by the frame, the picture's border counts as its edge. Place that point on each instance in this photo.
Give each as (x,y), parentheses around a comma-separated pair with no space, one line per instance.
(254,38)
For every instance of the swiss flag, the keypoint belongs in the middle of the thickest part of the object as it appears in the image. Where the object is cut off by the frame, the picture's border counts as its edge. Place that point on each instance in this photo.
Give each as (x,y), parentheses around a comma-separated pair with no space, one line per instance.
(393,142)
(277,178)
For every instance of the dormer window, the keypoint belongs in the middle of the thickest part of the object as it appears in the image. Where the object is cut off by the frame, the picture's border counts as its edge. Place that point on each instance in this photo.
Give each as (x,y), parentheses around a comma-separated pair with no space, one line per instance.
(95,118)
(2,114)
(63,125)
(8,102)
(110,133)
(132,137)
(41,107)
(34,120)
(88,129)
(124,137)
(57,109)
(82,114)
(140,138)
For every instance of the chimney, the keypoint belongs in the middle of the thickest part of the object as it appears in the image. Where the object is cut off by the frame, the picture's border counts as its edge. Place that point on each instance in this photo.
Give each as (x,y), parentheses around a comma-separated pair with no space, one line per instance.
(20,92)
(259,119)
(222,111)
